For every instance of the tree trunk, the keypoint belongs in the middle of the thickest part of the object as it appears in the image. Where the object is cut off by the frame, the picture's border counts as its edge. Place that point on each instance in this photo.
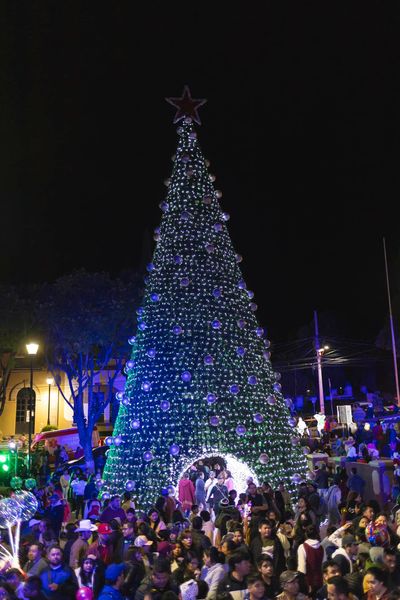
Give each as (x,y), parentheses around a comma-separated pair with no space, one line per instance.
(87,449)
(85,436)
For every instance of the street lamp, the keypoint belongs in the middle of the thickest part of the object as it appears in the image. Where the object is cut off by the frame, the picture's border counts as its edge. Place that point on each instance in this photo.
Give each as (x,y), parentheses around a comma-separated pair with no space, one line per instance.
(50,382)
(32,349)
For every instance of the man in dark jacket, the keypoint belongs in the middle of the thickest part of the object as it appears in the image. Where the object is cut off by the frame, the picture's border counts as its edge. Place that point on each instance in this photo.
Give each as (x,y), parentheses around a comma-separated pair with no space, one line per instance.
(200,541)
(125,542)
(59,581)
(158,582)
(217,492)
(236,579)
(266,543)
(55,513)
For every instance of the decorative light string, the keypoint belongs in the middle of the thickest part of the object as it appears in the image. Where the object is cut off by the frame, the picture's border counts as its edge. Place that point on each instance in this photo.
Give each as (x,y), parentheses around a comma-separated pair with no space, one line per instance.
(199,379)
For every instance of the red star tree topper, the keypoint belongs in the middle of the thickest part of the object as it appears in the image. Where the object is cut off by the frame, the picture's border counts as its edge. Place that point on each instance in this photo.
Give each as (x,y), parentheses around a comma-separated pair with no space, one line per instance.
(187,106)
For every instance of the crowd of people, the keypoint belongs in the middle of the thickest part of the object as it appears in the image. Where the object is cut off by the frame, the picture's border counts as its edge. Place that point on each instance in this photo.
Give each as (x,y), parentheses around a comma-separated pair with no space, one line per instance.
(206,541)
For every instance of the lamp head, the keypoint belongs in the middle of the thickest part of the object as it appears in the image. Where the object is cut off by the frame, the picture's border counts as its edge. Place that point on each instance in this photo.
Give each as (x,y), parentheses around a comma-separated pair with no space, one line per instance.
(50,381)
(32,348)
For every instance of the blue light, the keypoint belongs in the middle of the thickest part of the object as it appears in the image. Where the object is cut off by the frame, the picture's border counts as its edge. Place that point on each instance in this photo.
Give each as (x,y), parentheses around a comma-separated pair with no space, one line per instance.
(174,450)
(241,429)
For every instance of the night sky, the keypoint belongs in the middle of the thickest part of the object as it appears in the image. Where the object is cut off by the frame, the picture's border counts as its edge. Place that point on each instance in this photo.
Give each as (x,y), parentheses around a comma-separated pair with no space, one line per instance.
(301,128)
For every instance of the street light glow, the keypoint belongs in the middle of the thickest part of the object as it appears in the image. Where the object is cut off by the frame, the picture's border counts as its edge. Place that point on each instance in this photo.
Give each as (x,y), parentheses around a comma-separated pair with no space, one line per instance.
(32,348)
(49,381)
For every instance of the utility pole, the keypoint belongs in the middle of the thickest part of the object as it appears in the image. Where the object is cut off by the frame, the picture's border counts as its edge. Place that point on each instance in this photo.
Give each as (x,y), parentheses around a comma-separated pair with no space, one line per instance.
(319,352)
(396,374)
(330,395)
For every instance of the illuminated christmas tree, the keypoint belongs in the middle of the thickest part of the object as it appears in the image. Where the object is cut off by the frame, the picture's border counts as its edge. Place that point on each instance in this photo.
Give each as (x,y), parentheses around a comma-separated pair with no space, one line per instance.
(200,381)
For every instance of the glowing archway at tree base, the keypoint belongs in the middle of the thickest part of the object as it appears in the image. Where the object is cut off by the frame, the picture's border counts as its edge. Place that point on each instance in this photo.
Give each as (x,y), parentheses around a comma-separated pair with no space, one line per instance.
(240,470)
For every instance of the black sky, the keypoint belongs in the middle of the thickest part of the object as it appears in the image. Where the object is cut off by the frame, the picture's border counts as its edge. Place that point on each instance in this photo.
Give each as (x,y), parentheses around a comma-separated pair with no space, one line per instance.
(301,128)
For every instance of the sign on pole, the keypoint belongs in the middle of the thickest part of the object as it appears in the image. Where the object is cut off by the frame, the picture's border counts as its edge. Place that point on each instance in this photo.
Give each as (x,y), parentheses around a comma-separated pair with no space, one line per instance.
(345,415)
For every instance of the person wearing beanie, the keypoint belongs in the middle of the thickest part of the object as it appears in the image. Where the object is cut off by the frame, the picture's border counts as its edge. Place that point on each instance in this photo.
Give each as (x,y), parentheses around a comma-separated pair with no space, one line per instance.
(346,554)
(114,580)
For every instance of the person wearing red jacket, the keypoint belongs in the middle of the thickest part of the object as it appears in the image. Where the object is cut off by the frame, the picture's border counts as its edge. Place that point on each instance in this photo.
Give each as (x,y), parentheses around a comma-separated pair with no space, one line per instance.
(186,493)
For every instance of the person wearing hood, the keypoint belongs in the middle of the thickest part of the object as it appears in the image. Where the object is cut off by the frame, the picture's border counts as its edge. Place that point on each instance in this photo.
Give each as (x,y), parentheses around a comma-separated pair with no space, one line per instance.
(310,556)
(186,493)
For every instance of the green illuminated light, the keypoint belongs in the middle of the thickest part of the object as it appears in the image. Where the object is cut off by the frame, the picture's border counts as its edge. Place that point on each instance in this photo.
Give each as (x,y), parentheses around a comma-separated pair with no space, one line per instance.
(3,458)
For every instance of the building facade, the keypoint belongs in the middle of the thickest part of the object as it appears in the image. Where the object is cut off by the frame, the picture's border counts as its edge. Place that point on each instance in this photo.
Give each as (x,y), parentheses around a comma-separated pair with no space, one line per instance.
(50,406)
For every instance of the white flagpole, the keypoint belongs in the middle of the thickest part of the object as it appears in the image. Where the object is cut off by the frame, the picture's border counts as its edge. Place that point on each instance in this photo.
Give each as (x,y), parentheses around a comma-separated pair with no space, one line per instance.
(396,374)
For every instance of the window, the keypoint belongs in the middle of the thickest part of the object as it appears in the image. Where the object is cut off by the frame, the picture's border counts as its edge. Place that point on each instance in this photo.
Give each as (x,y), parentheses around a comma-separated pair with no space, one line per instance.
(22,408)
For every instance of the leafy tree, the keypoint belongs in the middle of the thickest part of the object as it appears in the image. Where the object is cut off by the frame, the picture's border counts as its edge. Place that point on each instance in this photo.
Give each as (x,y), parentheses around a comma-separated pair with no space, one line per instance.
(86,319)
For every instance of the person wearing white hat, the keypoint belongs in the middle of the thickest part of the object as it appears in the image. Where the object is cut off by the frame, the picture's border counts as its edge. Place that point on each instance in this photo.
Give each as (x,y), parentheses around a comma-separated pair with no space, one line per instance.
(80,546)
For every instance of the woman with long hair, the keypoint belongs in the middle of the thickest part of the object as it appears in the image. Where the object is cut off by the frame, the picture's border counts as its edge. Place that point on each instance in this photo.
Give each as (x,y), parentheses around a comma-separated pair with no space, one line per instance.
(303,509)
(155,521)
(90,574)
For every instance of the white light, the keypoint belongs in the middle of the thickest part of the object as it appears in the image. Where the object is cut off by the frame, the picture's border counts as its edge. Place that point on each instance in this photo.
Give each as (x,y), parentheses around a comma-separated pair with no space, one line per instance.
(239,470)
(49,381)
(32,348)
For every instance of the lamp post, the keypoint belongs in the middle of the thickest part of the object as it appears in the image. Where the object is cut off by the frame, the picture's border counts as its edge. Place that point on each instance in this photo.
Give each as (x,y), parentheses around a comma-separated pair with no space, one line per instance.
(32,349)
(49,382)
(319,354)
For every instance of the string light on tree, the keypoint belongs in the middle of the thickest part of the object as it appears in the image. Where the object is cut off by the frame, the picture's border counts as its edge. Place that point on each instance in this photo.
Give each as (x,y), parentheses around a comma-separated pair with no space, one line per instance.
(209,387)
